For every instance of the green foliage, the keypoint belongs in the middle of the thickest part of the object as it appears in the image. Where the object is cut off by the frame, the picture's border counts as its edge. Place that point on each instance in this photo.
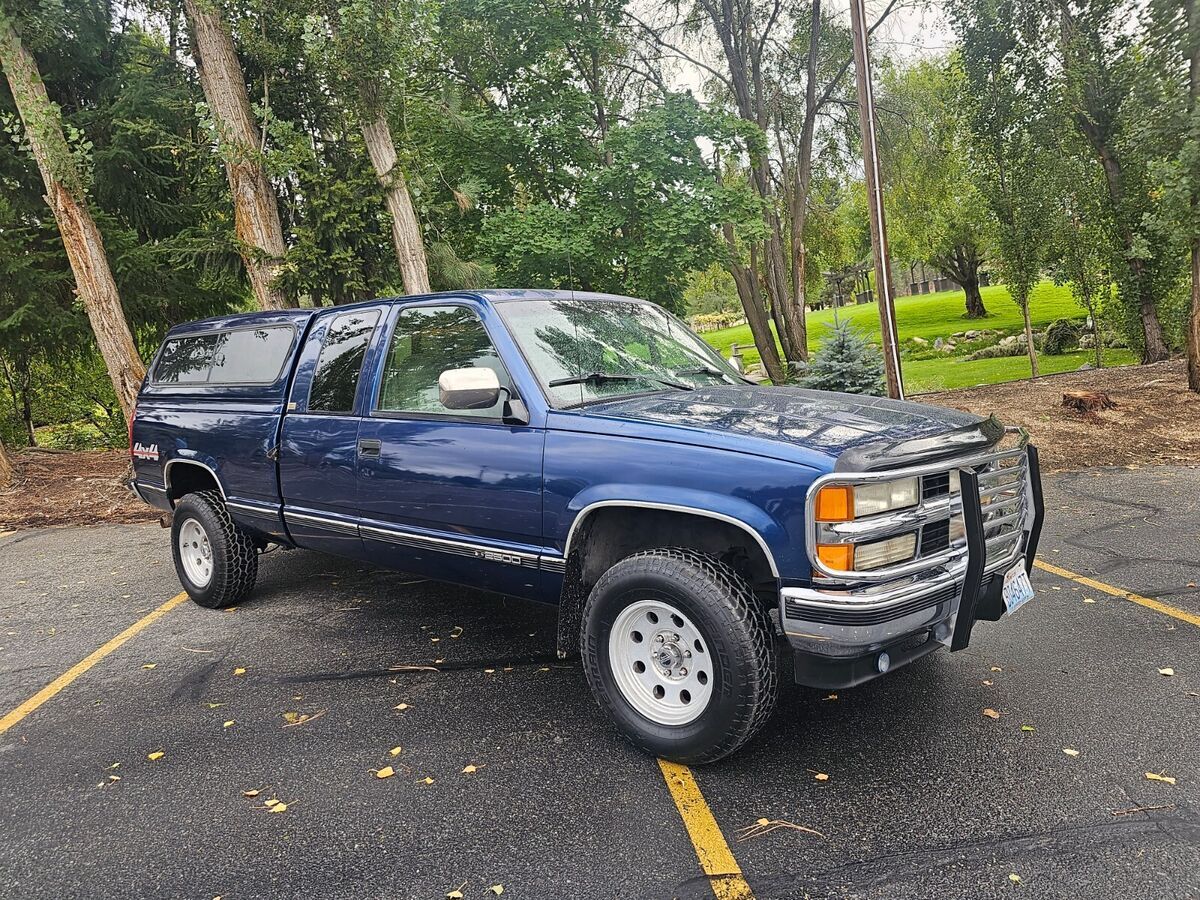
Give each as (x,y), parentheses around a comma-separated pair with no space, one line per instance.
(711,291)
(845,361)
(639,225)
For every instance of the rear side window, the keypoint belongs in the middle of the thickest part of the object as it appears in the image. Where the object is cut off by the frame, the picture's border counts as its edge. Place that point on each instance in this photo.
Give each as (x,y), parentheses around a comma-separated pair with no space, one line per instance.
(250,356)
(186,360)
(242,356)
(335,380)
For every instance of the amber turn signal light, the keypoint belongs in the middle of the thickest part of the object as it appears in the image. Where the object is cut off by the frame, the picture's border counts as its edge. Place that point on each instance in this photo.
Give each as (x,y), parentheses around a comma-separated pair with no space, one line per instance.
(836,556)
(835,503)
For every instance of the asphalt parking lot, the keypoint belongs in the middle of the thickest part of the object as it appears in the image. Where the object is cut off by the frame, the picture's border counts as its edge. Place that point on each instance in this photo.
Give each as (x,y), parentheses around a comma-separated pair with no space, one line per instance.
(507,776)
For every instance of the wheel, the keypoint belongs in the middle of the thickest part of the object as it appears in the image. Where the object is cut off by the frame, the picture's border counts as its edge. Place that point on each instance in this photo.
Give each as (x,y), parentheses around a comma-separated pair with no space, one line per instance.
(677,650)
(216,561)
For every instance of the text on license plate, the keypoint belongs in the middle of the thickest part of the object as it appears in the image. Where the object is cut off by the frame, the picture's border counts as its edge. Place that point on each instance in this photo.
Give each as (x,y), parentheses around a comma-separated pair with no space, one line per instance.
(1017,588)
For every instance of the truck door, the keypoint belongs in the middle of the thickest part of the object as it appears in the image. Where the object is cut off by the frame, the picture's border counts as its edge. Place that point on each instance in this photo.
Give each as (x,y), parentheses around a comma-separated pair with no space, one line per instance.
(318,450)
(455,495)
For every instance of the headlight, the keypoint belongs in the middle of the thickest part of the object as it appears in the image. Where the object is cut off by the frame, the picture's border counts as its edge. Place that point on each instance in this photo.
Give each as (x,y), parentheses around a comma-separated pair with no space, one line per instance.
(875,555)
(843,502)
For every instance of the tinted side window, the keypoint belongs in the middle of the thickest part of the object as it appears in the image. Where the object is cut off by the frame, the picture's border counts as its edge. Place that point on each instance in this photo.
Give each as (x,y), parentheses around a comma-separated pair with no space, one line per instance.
(250,356)
(336,377)
(185,360)
(428,341)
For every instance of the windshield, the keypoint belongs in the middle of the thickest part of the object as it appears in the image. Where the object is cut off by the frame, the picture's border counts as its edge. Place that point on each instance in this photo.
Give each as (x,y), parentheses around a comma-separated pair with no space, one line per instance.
(584,350)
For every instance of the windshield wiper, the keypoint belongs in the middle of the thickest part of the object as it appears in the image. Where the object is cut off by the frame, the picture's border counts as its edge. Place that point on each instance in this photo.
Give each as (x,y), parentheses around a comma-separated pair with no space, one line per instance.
(597,377)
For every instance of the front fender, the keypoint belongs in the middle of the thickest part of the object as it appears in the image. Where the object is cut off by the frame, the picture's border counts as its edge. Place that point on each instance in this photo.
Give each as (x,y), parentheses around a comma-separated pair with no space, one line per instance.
(754,520)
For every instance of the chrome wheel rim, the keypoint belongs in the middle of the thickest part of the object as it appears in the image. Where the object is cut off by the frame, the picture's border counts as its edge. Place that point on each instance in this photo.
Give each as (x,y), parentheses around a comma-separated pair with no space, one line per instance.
(195,553)
(660,662)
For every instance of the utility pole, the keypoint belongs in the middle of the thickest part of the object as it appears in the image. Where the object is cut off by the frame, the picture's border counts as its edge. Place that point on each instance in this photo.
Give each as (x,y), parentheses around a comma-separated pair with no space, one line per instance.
(879,245)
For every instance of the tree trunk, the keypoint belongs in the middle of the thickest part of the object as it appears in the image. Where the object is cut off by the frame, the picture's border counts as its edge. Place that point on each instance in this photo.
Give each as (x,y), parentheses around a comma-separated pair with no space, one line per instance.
(6,468)
(406,228)
(81,238)
(255,213)
(1033,363)
(756,316)
(975,307)
(1193,337)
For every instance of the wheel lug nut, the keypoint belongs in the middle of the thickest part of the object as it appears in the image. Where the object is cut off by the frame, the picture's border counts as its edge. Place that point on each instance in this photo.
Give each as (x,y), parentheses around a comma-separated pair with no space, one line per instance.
(683,671)
(659,638)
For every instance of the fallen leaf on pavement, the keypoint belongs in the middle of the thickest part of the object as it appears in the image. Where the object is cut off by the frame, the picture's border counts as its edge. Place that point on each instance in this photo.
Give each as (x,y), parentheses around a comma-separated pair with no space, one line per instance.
(988,682)
(401,706)
(253,792)
(821,776)
(457,893)
(997,669)
(831,697)
(149,665)
(427,780)
(301,718)
(456,633)
(497,889)
(159,754)
(1088,600)
(1153,776)
(1014,877)
(395,751)
(1167,671)
(1070,751)
(214,705)
(991,713)
(385,772)
(229,724)
(239,671)
(279,807)
(1027,728)
(471,770)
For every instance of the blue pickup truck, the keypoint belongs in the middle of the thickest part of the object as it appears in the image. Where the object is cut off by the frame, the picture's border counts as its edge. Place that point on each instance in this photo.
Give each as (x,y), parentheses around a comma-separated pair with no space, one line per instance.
(590,451)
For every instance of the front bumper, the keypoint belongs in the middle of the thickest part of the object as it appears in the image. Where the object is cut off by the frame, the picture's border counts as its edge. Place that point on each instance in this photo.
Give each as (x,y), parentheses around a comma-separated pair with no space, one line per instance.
(838,631)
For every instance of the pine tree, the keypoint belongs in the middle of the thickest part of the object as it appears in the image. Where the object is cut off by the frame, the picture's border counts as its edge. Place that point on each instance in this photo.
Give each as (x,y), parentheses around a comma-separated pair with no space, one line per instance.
(846,361)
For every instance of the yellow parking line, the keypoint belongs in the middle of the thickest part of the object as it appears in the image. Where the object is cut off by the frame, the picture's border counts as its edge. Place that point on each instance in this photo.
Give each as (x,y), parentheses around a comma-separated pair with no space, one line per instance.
(12,718)
(1156,605)
(716,859)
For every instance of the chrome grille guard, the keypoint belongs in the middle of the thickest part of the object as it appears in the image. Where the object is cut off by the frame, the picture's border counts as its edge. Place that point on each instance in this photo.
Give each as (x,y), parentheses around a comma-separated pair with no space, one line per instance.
(998,511)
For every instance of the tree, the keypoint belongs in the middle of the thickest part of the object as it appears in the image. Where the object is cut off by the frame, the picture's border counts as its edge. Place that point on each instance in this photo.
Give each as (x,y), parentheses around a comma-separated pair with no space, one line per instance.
(1010,164)
(6,467)
(67,197)
(845,361)
(365,42)
(256,215)
(935,208)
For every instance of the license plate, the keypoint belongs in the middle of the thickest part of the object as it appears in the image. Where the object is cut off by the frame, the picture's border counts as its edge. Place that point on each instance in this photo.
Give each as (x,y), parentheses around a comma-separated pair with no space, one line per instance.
(1017,588)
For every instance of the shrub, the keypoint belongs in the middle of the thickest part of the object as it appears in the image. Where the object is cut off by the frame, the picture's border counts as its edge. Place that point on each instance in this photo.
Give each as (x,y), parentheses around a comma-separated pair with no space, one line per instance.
(846,361)
(1061,335)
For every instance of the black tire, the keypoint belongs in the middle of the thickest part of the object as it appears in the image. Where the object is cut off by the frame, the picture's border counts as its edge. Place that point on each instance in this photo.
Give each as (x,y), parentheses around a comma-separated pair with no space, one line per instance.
(735,628)
(234,557)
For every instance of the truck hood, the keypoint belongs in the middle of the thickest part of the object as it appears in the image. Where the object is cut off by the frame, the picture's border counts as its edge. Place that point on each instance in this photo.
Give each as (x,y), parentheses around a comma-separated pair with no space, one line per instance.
(820,428)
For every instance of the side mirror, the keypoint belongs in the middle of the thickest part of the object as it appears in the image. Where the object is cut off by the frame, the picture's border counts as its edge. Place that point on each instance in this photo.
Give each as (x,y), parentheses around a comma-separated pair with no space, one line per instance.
(476,388)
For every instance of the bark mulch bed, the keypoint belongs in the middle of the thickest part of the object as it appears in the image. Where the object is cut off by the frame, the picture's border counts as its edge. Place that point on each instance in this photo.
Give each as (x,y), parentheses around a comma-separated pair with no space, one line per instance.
(1155,421)
(70,489)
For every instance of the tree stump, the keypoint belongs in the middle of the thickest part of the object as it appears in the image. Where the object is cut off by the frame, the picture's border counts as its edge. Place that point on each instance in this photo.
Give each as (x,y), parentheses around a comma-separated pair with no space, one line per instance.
(1087,401)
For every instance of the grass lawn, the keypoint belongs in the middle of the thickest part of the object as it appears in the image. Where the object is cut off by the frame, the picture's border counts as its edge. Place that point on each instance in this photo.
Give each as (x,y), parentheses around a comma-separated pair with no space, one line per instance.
(931,316)
(955,372)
